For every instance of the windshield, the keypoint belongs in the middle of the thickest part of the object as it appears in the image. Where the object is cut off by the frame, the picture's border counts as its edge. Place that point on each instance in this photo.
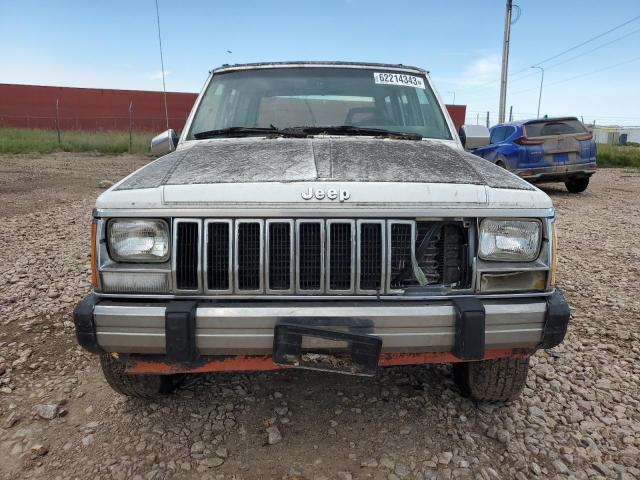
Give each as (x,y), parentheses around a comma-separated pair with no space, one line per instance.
(320,97)
(554,127)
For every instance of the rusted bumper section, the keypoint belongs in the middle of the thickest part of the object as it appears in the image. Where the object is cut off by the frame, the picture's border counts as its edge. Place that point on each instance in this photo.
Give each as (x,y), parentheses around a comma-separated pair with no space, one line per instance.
(242,363)
(151,337)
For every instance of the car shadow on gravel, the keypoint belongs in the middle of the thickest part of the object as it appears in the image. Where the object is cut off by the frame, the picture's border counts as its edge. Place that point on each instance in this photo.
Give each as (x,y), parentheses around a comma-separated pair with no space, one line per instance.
(560,191)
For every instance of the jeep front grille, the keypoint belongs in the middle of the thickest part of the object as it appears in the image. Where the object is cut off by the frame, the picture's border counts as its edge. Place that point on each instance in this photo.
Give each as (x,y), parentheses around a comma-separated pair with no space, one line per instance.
(186,255)
(317,256)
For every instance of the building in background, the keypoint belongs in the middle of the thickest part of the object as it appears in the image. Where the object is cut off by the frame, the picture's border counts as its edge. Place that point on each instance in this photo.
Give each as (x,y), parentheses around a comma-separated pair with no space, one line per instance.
(615,135)
(93,109)
(96,109)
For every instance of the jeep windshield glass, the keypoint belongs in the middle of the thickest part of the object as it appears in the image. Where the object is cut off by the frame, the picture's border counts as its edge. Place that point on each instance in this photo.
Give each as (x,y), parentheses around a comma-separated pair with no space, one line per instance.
(272,100)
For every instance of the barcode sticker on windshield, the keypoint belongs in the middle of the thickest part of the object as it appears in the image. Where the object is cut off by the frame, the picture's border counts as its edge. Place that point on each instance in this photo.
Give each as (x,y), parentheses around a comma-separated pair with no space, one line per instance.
(398,79)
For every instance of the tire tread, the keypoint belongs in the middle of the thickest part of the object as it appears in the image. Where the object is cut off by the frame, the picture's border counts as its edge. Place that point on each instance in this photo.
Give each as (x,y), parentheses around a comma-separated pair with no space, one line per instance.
(497,380)
(139,386)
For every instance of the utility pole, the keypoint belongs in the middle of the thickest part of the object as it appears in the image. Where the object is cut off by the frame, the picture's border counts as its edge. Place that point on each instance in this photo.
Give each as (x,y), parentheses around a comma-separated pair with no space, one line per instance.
(487,119)
(454,97)
(541,80)
(511,113)
(505,62)
(164,87)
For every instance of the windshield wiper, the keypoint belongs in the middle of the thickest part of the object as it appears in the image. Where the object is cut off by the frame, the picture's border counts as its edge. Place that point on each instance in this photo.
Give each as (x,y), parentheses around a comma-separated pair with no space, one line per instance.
(304,131)
(351,130)
(236,132)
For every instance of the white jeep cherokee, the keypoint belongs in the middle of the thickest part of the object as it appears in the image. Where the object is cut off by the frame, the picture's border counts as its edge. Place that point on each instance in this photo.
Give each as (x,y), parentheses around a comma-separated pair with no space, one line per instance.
(321,216)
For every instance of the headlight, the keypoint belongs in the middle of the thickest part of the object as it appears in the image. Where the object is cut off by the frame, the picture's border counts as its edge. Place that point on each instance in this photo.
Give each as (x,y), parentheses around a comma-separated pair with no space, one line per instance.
(138,240)
(509,240)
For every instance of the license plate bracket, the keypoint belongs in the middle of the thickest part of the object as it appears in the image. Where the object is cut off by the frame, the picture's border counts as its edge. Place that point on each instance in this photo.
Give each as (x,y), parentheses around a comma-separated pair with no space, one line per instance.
(359,358)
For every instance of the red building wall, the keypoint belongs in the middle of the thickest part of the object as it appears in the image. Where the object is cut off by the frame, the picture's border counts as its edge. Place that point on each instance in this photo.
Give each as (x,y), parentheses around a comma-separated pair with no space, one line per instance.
(458,114)
(30,106)
(93,109)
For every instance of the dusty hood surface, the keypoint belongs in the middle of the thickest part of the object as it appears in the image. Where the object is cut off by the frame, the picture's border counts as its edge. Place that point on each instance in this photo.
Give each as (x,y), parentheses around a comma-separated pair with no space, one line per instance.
(348,159)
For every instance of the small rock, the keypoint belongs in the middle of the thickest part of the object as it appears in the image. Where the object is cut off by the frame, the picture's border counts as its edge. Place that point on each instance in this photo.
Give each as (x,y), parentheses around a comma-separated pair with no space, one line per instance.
(281,410)
(47,411)
(537,412)
(370,462)
(212,462)
(88,440)
(503,436)
(445,458)
(274,435)
(11,419)
(401,470)
(344,476)
(39,449)
(560,466)
(387,462)
(222,452)
(197,447)
(535,468)
(105,184)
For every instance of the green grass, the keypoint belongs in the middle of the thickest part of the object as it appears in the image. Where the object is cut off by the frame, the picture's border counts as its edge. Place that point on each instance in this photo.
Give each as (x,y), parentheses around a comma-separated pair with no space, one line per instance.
(21,140)
(616,156)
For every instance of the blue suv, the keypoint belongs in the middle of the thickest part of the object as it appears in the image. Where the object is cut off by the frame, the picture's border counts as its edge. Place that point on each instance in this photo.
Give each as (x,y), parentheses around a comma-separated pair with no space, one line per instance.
(544,150)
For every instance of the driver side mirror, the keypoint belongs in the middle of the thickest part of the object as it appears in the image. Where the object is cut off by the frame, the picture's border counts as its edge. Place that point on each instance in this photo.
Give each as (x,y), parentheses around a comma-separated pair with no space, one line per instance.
(473,136)
(164,143)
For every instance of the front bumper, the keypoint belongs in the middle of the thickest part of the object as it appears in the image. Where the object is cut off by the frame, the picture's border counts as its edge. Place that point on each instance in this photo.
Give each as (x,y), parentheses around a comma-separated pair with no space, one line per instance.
(557,173)
(247,329)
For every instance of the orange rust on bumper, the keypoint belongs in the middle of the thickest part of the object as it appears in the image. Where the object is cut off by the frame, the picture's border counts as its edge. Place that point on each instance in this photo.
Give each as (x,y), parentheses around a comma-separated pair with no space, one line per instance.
(253,363)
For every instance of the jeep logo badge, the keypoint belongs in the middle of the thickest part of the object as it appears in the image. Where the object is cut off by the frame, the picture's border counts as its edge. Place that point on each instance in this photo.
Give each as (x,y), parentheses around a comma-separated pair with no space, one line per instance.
(330,194)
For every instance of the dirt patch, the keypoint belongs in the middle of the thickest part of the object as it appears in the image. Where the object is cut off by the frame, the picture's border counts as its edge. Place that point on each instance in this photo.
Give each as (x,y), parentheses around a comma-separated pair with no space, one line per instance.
(30,183)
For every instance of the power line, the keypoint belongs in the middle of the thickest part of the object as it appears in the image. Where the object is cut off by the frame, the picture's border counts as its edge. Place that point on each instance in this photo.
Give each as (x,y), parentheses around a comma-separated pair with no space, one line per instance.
(529,73)
(593,49)
(589,40)
(635,59)
(164,87)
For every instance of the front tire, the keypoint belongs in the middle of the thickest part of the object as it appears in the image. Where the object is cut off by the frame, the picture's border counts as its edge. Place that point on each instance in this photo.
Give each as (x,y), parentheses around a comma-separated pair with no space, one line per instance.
(577,185)
(499,380)
(132,385)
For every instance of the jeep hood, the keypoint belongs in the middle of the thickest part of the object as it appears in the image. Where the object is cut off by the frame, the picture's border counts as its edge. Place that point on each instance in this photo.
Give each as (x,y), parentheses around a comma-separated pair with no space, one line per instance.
(342,159)
(271,173)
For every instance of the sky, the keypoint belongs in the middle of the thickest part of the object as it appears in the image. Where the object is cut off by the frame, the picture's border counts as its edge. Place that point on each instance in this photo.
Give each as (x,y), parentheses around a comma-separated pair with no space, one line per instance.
(114,44)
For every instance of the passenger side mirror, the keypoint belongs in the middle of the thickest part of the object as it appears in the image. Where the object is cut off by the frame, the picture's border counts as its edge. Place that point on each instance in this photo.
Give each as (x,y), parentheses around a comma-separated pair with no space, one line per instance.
(164,143)
(473,136)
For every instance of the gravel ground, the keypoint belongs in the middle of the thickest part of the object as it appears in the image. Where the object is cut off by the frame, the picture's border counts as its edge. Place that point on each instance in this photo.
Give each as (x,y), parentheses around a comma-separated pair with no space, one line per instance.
(579,415)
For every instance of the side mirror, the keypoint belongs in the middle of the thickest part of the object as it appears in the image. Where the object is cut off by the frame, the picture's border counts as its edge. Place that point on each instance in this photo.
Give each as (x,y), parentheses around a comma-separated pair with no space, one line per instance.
(473,136)
(164,143)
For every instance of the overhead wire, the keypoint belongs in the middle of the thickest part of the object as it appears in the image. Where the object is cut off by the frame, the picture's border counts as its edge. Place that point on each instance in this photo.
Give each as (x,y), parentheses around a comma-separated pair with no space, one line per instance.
(589,40)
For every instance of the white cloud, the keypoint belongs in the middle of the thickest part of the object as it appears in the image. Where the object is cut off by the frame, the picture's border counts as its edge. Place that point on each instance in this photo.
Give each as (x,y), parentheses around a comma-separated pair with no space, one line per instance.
(484,69)
(158,75)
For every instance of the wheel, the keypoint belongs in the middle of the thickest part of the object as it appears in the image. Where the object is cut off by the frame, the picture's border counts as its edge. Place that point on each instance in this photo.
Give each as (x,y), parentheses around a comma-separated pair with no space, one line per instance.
(132,385)
(577,185)
(500,380)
